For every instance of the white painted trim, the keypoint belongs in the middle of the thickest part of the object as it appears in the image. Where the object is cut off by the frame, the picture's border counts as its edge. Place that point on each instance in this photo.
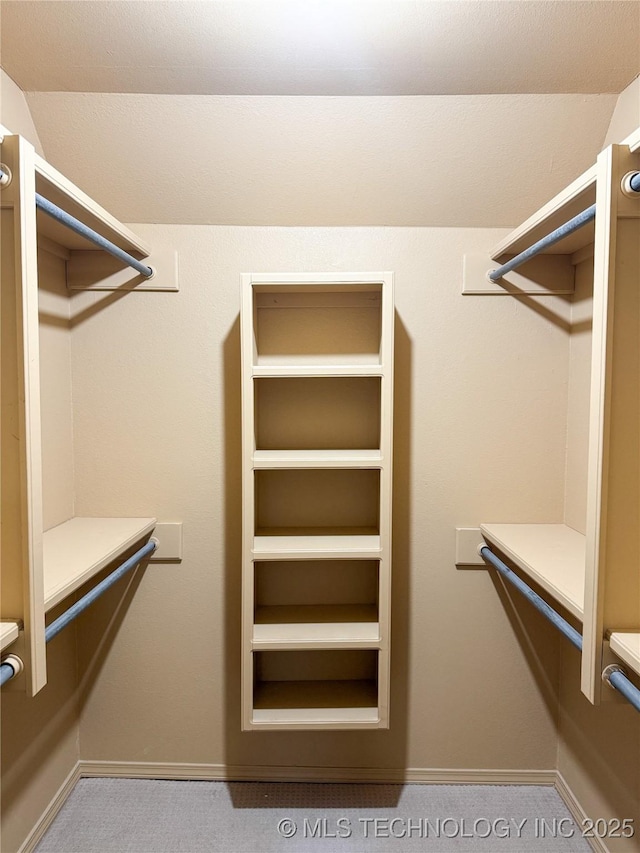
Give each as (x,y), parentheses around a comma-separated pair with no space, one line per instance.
(247,773)
(577,812)
(49,814)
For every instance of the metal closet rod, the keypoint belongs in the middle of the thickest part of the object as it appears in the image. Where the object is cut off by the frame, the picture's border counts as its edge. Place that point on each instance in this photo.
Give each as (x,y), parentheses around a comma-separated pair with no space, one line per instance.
(7,670)
(83,230)
(632,183)
(74,224)
(614,674)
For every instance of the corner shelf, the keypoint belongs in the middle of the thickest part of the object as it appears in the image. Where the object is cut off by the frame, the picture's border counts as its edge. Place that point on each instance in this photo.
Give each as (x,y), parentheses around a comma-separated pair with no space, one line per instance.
(317,368)
(78,549)
(553,555)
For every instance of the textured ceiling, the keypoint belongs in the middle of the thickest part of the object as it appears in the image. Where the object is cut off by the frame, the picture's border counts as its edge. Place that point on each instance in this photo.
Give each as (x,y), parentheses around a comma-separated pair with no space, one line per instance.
(335,47)
(457,160)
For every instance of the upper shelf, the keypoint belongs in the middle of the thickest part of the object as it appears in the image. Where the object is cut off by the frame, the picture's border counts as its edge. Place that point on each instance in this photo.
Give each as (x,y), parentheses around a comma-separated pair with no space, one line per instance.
(317,458)
(553,555)
(62,192)
(569,203)
(78,549)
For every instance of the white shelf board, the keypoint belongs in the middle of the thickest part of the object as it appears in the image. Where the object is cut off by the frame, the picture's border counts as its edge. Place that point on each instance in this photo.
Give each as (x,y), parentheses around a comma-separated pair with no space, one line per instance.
(551,554)
(627,646)
(59,190)
(312,547)
(572,200)
(359,364)
(316,626)
(78,549)
(317,459)
(316,703)
(9,632)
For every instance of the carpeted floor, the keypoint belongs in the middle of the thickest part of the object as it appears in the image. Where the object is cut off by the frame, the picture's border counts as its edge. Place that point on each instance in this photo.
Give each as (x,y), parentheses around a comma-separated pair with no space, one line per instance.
(152,816)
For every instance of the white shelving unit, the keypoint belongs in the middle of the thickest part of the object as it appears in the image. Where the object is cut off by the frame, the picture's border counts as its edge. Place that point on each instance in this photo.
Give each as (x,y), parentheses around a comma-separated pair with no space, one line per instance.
(317,356)
(592,571)
(47,553)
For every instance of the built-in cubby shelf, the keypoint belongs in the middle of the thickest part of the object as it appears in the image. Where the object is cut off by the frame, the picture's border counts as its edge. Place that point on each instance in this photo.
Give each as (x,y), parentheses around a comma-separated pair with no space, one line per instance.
(317,366)
(553,555)
(9,633)
(78,549)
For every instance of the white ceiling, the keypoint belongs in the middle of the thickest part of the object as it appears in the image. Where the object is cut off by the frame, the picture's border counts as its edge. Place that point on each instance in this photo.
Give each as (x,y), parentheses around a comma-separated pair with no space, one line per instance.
(158,109)
(321,47)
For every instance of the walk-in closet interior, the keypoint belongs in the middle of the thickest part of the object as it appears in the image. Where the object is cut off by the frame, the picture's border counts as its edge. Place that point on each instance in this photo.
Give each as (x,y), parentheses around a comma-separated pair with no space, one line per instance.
(320,385)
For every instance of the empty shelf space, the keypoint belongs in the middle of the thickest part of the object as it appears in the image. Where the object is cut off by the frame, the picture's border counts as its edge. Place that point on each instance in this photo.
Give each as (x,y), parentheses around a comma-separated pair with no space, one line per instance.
(318,413)
(78,549)
(569,203)
(9,632)
(310,547)
(308,324)
(310,704)
(325,366)
(317,459)
(553,555)
(627,646)
(316,625)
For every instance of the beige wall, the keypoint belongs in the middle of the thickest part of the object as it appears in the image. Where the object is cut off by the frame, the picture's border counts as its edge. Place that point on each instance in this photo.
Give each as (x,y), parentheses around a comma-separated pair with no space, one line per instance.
(40,736)
(626,115)
(14,112)
(157,431)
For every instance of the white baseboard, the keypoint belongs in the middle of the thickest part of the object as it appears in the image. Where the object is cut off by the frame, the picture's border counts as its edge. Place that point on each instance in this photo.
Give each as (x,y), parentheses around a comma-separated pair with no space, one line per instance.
(577,812)
(241,773)
(34,837)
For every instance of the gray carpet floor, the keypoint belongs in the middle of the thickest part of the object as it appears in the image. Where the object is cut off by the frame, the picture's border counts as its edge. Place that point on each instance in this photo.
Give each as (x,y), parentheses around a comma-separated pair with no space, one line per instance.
(153,816)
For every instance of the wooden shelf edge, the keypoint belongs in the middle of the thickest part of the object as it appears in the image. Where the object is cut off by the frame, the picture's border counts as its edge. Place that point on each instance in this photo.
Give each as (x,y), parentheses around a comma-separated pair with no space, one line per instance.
(9,633)
(97,217)
(78,549)
(553,555)
(558,210)
(626,645)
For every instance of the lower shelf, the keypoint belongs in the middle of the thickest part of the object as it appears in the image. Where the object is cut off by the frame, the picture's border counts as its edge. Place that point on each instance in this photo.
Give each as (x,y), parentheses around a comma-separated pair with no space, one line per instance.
(553,555)
(317,626)
(78,549)
(9,632)
(331,704)
(627,646)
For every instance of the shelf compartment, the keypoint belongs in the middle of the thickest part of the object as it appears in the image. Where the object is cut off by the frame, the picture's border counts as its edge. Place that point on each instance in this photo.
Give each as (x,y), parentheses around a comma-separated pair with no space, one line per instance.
(316,626)
(340,325)
(315,689)
(553,555)
(78,549)
(313,547)
(310,582)
(330,501)
(317,413)
(626,645)
(9,633)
